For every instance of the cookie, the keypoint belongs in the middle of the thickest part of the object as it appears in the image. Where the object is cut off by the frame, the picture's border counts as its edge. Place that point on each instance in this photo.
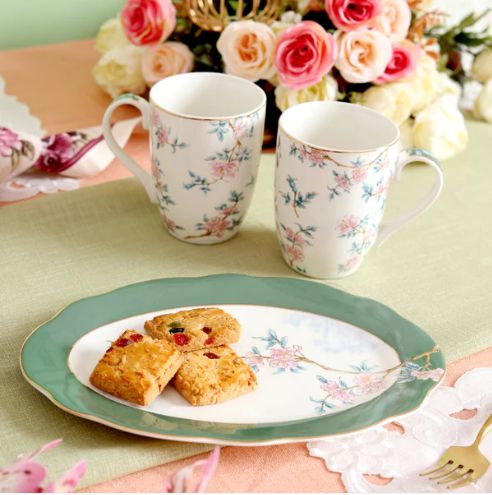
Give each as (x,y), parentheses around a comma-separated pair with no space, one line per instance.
(136,368)
(196,328)
(210,376)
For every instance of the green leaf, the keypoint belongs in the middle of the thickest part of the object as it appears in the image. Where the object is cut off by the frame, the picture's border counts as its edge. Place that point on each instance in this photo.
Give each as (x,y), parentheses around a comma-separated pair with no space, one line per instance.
(15,159)
(28,149)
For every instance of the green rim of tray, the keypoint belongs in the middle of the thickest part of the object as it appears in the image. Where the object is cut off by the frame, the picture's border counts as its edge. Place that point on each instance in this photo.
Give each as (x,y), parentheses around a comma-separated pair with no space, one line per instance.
(44,355)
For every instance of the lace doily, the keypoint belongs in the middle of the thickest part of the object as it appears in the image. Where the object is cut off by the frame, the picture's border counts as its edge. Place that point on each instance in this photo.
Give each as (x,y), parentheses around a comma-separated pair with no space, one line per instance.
(427,435)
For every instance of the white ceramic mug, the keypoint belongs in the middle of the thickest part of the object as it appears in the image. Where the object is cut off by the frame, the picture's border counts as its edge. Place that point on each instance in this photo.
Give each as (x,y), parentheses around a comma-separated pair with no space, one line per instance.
(335,163)
(206,135)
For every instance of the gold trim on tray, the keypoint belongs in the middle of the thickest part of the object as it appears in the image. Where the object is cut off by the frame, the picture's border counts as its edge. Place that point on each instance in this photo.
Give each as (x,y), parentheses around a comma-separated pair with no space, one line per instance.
(208,440)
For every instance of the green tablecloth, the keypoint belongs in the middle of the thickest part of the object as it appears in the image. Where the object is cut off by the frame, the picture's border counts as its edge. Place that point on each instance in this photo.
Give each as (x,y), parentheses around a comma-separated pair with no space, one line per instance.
(436,272)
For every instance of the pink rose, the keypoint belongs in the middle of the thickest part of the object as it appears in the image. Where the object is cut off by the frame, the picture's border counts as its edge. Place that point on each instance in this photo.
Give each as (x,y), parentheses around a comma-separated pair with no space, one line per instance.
(57,150)
(148,22)
(404,60)
(363,56)
(8,141)
(305,53)
(351,15)
(394,19)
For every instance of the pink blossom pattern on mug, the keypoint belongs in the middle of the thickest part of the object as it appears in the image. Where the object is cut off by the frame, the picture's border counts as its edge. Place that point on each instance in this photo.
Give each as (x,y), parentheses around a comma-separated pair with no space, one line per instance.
(358,381)
(362,232)
(225,164)
(345,181)
(294,241)
(163,134)
(170,224)
(224,221)
(163,198)
(297,199)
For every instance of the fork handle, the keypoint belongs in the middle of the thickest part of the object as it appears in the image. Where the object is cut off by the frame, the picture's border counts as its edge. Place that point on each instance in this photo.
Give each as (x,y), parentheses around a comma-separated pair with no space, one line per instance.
(486,428)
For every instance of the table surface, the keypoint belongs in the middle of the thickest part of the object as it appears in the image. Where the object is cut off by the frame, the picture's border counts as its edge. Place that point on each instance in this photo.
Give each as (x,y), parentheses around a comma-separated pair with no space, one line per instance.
(55,82)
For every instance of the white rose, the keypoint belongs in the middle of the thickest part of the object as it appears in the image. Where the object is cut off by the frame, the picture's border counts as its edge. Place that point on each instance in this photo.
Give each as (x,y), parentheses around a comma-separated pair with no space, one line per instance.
(426,5)
(445,85)
(393,100)
(166,60)
(111,35)
(325,90)
(424,81)
(362,55)
(482,65)
(440,128)
(287,19)
(483,104)
(248,50)
(394,20)
(119,71)
(406,134)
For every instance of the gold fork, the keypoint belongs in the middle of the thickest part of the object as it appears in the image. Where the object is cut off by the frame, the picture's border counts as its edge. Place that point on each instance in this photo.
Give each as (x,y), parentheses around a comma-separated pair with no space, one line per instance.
(457,462)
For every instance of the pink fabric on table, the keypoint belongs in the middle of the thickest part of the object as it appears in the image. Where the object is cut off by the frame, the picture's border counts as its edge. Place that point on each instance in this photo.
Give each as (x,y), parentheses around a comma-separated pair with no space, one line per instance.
(280,468)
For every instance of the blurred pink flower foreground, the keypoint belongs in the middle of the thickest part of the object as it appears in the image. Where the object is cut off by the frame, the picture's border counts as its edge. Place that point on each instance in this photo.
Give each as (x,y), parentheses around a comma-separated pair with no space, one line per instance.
(178,481)
(25,475)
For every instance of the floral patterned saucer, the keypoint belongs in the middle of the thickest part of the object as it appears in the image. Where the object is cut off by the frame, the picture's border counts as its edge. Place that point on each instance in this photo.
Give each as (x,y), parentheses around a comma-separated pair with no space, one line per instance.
(328,363)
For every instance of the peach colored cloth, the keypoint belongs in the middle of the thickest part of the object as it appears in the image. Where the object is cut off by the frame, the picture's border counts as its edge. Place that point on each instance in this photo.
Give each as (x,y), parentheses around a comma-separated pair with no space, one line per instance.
(281,468)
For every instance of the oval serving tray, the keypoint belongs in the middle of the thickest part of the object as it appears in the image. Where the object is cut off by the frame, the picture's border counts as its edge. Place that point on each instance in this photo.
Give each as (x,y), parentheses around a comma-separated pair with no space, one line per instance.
(327,363)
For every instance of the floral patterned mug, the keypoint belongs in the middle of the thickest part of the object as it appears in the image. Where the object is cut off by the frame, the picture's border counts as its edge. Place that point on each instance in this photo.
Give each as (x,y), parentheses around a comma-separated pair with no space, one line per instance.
(335,163)
(206,135)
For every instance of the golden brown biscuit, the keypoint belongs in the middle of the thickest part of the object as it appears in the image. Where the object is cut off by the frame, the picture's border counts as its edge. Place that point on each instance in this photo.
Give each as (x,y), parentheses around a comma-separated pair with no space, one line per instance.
(136,367)
(210,376)
(196,328)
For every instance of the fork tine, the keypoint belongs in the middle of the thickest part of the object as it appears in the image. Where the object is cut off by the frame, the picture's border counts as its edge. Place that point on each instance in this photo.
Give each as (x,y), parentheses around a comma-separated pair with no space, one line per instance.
(436,467)
(463,483)
(448,470)
(462,471)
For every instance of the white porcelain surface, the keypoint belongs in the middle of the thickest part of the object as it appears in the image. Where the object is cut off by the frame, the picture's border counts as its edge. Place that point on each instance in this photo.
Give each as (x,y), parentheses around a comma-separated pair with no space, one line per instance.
(293,379)
(335,164)
(206,134)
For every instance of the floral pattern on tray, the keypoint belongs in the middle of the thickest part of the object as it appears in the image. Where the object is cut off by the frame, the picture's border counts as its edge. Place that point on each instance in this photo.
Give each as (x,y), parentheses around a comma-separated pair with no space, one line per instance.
(358,380)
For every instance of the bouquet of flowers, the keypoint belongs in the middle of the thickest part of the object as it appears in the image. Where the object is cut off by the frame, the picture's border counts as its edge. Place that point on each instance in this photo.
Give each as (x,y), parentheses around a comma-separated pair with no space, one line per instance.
(395,56)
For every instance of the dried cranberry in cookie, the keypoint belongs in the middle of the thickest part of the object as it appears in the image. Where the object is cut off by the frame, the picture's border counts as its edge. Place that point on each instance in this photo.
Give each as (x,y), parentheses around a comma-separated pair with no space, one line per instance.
(203,327)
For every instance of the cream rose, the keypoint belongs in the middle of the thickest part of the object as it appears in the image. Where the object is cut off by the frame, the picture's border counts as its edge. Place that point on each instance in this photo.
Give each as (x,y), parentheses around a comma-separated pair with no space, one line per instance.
(363,55)
(248,50)
(427,5)
(393,100)
(325,90)
(424,81)
(483,104)
(111,35)
(286,20)
(445,85)
(406,134)
(394,20)
(119,71)
(482,65)
(168,59)
(440,128)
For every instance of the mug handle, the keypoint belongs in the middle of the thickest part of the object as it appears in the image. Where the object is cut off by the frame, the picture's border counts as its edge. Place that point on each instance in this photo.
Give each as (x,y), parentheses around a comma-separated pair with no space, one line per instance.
(408,156)
(123,157)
